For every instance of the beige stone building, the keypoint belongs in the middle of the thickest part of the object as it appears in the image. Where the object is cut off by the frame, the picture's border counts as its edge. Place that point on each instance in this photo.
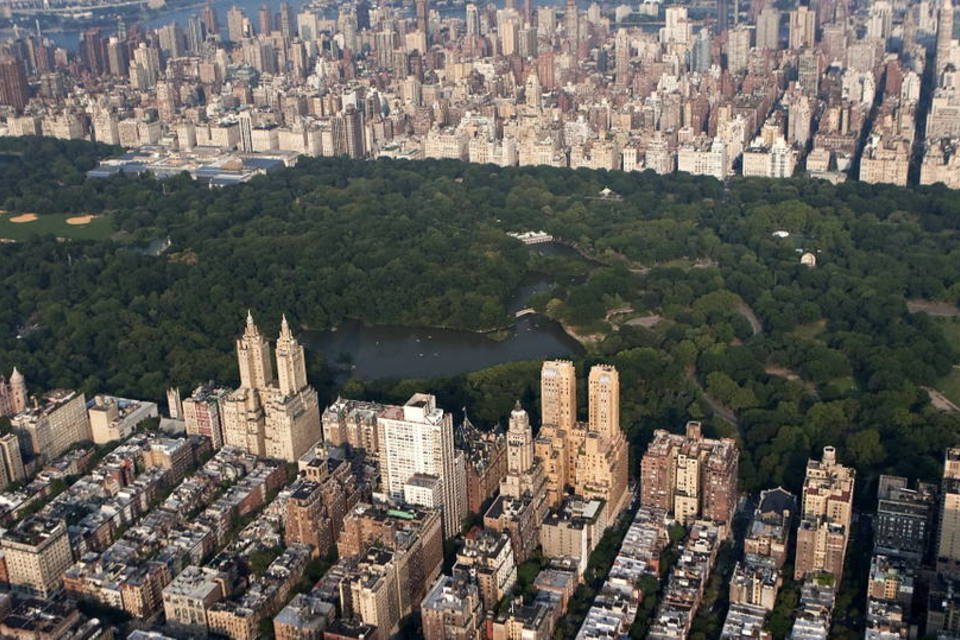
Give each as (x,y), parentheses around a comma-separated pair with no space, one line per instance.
(826,510)
(13,394)
(276,417)
(488,559)
(558,394)
(52,427)
(374,592)
(37,554)
(451,611)
(885,160)
(948,531)
(11,459)
(691,476)
(573,531)
(591,458)
(941,163)
(187,600)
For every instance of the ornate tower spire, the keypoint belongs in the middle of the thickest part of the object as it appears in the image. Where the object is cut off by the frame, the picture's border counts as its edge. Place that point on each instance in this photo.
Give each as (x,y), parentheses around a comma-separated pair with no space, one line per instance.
(253,355)
(18,391)
(519,442)
(291,364)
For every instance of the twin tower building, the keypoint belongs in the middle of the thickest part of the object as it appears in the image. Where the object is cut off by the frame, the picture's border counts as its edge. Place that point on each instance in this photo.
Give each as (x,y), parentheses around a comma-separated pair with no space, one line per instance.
(590,458)
(275,415)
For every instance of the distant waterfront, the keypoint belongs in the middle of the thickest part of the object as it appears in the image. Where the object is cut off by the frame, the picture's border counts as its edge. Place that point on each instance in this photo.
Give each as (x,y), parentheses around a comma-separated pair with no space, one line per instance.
(68,38)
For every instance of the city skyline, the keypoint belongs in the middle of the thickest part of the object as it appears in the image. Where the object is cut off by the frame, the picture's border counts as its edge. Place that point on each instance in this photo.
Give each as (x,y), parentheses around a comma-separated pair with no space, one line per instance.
(743,90)
(750,431)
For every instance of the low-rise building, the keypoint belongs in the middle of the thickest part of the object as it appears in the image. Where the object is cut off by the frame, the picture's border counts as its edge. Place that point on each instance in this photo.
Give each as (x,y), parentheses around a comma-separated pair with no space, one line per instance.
(187,600)
(116,418)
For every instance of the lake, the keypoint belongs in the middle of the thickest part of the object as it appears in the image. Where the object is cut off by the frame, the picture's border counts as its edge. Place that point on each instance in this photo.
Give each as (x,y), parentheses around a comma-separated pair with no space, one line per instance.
(406,352)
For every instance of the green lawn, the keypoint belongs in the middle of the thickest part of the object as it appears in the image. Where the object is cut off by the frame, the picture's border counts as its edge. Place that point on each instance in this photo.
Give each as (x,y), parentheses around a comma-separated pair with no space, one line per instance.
(54,224)
(949,385)
(810,331)
(843,384)
(951,329)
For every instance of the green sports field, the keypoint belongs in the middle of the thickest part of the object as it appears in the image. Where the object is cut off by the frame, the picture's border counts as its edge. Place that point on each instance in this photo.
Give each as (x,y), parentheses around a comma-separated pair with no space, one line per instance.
(53,224)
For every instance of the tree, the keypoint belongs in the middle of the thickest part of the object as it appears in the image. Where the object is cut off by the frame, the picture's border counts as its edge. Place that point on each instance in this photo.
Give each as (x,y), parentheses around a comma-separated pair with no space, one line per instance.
(865,448)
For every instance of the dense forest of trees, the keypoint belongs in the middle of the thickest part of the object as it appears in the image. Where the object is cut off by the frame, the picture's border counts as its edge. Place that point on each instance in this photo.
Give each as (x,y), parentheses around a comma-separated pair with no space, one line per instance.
(783,357)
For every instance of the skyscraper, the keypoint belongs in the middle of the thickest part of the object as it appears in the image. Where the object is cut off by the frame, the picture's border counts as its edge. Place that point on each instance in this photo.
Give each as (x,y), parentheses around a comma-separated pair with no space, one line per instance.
(944,36)
(691,476)
(278,418)
(253,355)
(13,83)
(11,460)
(808,71)
(13,394)
(286,28)
(472,20)
(519,442)
(92,51)
(622,53)
(353,139)
(242,410)
(948,531)
(738,48)
(118,59)
(291,368)
(701,53)
(418,461)
(589,457)
(723,15)
(768,29)
(209,18)
(264,17)
(826,511)
(422,15)
(292,407)
(363,15)
(571,24)
(558,394)
(235,24)
(194,34)
(604,400)
(803,27)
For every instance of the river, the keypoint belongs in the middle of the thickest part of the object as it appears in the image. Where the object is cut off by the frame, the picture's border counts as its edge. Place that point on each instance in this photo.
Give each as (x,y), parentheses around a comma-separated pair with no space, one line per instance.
(69,37)
(405,352)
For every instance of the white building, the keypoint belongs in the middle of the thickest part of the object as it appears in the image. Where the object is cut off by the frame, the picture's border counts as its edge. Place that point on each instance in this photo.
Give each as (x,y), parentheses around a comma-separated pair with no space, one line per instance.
(418,461)
(116,418)
(776,161)
(703,162)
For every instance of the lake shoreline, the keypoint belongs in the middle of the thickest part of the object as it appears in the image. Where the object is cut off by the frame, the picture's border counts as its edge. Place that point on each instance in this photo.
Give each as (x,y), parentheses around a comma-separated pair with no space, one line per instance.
(496,334)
